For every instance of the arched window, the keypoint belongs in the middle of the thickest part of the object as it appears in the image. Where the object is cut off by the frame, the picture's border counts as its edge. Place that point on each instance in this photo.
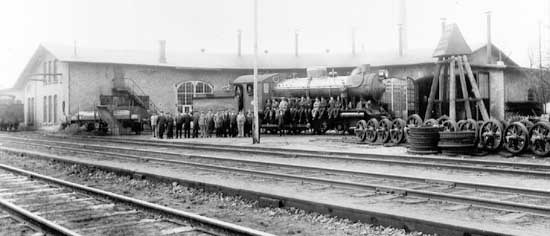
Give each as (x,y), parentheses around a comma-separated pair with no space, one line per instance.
(188,90)
(185,93)
(202,88)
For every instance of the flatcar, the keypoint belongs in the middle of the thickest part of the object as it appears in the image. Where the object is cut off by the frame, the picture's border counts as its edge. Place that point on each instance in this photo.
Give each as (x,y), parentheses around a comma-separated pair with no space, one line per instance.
(11,113)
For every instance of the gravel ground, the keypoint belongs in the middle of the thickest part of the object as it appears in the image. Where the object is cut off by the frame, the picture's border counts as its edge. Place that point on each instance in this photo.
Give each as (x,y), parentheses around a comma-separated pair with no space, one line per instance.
(363,200)
(226,208)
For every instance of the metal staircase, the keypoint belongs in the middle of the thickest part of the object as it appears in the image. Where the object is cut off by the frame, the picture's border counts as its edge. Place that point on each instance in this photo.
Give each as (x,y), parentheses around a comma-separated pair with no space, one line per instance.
(106,114)
(135,92)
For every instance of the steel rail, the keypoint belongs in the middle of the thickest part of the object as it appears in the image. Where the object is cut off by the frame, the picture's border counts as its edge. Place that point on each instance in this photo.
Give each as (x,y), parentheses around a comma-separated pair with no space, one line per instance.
(369,158)
(307,153)
(35,220)
(218,224)
(541,210)
(488,187)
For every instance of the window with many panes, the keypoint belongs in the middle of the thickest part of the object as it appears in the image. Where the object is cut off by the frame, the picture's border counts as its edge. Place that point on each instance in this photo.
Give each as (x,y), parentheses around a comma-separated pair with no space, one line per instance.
(185,93)
(203,88)
(187,90)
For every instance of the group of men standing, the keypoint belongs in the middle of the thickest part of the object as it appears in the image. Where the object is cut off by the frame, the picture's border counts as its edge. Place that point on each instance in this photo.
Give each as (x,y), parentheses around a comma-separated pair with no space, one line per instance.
(194,124)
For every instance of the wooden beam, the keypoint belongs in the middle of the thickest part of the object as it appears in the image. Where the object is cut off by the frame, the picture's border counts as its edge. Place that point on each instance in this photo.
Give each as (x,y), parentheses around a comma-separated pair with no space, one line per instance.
(441,92)
(464,88)
(452,91)
(433,89)
(475,89)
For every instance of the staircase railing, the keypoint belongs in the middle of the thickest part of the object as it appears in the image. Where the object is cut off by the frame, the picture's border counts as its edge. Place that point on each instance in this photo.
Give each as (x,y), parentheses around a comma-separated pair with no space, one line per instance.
(136,91)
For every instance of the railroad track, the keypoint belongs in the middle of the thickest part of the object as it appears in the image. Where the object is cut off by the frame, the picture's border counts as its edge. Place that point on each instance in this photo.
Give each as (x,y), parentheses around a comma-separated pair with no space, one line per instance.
(58,207)
(492,196)
(489,166)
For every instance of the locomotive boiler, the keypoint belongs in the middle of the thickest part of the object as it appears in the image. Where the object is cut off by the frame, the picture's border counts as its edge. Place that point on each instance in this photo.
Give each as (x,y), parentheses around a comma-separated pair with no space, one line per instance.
(360,84)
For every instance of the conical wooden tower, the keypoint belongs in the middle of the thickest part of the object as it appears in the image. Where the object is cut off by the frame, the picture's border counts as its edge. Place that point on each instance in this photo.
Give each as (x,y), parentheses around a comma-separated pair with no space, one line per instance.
(452,52)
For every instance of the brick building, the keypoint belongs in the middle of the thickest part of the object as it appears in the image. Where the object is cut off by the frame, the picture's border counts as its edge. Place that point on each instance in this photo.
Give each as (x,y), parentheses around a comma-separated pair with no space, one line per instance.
(59,81)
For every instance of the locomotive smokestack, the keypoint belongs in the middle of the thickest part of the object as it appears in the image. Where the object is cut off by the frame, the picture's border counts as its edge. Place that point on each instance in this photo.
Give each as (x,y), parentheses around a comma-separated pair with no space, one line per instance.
(239,42)
(489,44)
(162,51)
(296,43)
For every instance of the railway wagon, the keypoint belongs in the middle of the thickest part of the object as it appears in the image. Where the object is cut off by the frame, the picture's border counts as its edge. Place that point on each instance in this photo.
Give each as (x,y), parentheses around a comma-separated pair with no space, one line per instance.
(11,113)
(357,96)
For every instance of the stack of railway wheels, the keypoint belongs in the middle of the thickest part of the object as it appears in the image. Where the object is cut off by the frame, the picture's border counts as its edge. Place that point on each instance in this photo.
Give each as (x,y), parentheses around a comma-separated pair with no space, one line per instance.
(423,139)
(456,142)
(463,137)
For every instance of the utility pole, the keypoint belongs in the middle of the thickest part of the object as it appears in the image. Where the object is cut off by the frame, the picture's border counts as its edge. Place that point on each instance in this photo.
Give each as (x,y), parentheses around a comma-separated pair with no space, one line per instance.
(256,135)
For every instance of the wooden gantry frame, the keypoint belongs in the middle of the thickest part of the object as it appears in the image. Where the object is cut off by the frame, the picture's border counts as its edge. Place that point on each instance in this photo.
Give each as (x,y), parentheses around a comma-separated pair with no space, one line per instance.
(454,64)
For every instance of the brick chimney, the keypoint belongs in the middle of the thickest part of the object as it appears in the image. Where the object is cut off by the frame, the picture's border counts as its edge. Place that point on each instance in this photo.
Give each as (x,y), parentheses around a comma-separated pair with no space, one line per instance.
(162,51)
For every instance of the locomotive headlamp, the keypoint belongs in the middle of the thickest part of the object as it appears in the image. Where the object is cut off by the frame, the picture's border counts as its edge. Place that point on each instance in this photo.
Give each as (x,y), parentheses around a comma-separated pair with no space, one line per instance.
(383,73)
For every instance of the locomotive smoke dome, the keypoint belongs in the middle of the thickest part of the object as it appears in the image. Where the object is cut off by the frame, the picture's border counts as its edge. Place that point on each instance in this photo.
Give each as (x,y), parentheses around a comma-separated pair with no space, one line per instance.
(361,83)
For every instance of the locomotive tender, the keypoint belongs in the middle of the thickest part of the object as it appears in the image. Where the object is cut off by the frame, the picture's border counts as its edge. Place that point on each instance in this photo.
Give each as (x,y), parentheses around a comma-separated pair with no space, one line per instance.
(361,86)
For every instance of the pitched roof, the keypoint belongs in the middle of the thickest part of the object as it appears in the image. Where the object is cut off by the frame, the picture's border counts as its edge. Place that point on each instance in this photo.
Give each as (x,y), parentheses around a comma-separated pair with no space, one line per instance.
(452,43)
(233,61)
(186,60)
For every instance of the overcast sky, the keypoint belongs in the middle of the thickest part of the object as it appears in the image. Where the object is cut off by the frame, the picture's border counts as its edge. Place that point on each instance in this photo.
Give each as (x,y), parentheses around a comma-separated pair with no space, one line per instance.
(212,24)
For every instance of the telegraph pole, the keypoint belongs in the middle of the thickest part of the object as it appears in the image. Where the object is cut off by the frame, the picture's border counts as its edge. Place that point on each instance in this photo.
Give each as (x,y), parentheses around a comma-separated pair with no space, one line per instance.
(256,135)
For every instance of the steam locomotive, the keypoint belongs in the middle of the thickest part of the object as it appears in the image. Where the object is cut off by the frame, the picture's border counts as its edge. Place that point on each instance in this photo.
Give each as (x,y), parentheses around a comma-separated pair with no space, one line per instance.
(359,95)
(11,113)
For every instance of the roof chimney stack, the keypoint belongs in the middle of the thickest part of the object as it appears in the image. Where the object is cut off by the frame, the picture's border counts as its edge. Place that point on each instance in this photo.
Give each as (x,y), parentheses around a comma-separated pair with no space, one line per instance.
(489,44)
(239,42)
(162,51)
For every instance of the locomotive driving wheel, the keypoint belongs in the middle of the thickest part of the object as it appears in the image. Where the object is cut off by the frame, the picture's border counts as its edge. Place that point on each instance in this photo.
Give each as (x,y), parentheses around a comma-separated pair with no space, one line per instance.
(370,131)
(539,137)
(384,130)
(323,127)
(449,126)
(360,129)
(414,120)
(442,119)
(516,138)
(430,122)
(397,133)
(469,125)
(491,134)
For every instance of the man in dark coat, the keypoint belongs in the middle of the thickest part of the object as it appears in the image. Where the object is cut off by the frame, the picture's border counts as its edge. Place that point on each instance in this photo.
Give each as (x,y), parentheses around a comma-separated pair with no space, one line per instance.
(179,125)
(169,126)
(186,125)
(233,124)
(196,117)
(210,123)
(226,124)
(248,124)
(161,122)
